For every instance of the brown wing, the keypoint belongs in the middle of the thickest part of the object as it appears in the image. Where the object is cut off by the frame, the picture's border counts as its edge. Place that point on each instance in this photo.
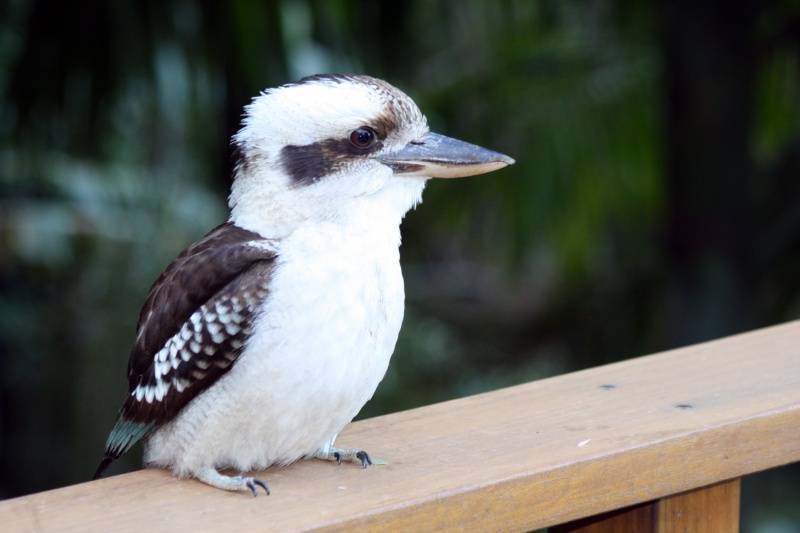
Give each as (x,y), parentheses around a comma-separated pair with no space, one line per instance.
(191,280)
(192,328)
(196,321)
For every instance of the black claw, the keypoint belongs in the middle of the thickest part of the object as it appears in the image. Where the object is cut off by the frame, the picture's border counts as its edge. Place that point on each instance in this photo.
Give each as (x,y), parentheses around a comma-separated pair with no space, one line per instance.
(338,457)
(252,486)
(365,460)
(262,485)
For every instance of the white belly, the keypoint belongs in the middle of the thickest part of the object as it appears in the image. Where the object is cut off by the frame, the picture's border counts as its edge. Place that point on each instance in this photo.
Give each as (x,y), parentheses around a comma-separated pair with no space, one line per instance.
(321,345)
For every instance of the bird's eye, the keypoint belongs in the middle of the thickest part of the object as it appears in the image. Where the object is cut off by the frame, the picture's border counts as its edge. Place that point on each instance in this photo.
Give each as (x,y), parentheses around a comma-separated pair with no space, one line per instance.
(363,137)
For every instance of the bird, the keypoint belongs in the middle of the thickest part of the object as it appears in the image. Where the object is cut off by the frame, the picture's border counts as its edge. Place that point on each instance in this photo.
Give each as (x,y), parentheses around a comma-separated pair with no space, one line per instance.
(260,342)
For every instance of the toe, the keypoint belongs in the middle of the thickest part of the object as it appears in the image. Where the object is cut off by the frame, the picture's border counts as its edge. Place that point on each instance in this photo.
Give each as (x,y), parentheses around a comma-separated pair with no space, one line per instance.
(252,483)
(364,456)
(212,477)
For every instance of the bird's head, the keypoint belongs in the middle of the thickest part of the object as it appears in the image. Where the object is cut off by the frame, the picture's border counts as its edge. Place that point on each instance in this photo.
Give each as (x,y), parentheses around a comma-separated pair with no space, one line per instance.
(333,147)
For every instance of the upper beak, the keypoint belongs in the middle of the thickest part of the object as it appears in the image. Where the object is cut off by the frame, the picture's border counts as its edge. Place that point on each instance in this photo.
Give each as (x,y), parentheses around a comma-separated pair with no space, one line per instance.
(437,156)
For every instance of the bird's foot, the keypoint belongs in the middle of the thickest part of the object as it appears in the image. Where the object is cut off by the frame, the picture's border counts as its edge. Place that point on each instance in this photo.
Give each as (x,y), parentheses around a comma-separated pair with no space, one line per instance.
(351,456)
(210,476)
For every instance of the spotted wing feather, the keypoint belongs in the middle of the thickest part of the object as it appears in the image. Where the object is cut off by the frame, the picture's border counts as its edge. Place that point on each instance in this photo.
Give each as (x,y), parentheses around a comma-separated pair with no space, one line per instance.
(192,328)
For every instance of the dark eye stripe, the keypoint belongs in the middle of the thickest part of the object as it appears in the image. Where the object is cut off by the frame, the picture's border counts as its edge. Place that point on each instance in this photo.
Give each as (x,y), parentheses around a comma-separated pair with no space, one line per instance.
(312,162)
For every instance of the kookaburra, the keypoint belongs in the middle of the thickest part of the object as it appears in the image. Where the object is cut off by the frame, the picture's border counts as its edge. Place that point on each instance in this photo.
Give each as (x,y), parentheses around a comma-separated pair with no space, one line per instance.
(261,341)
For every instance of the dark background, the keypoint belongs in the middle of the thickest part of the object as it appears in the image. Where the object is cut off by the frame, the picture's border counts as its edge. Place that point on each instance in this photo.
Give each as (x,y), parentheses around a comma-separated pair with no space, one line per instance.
(655,201)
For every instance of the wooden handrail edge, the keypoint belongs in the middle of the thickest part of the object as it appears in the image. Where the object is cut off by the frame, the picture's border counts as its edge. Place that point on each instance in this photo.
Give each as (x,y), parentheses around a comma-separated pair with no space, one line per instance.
(525,457)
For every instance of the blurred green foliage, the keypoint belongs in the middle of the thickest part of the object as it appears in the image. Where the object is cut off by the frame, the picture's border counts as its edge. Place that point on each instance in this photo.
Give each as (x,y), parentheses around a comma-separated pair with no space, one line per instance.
(655,200)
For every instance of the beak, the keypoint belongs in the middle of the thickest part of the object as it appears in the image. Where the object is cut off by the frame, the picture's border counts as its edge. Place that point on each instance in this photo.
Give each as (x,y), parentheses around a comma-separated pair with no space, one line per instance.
(437,156)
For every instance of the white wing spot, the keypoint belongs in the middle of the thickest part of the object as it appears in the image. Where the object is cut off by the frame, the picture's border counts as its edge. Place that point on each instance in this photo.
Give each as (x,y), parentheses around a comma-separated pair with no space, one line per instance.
(181,385)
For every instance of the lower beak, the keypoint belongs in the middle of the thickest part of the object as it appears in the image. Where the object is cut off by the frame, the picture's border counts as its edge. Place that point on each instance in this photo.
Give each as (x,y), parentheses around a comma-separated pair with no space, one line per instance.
(437,156)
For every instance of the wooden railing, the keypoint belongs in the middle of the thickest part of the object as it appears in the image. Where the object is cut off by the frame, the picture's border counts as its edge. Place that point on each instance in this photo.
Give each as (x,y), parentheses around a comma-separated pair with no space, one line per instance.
(657,443)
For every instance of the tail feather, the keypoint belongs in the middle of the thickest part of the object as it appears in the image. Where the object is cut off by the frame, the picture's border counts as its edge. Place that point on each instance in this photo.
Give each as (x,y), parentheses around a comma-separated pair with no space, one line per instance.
(122,438)
(102,468)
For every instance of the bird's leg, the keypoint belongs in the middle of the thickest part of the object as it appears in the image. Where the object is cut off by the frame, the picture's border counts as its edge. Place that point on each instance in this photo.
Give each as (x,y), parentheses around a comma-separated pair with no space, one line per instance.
(351,456)
(210,476)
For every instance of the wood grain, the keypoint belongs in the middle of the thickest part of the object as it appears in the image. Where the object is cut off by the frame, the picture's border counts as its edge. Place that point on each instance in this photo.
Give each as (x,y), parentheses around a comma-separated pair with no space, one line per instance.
(515,459)
(712,509)
(635,519)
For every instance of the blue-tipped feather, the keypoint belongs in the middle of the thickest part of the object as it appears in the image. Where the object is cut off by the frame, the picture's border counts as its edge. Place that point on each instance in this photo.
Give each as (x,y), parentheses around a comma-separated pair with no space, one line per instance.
(122,438)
